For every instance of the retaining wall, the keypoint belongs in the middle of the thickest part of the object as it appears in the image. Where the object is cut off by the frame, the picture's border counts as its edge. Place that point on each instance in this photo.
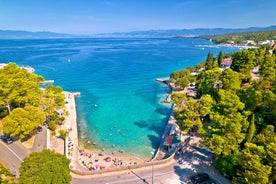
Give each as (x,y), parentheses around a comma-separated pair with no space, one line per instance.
(123,168)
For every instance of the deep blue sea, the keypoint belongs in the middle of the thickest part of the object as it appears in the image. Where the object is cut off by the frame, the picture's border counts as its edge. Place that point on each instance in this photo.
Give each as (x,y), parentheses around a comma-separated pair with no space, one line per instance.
(117,74)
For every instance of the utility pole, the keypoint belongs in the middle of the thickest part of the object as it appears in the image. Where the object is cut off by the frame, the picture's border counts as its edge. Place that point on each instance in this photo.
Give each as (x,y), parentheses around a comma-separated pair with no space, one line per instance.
(152,169)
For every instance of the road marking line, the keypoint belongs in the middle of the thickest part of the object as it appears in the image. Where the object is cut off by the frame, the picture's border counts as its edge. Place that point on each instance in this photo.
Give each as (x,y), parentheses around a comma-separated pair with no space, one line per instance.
(12,151)
(146,177)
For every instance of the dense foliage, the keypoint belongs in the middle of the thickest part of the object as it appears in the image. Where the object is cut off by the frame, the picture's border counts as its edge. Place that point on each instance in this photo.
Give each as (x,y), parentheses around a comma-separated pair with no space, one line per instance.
(238,37)
(18,88)
(5,176)
(243,62)
(46,167)
(181,78)
(22,121)
(23,105)
(236,115)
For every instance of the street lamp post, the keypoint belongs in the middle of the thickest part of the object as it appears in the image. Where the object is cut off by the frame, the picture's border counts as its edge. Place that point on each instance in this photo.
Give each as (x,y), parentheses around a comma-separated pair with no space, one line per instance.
(152,169)
(152,174)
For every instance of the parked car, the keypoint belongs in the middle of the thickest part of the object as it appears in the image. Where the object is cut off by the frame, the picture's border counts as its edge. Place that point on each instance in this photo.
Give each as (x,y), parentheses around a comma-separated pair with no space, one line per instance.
(39,129)
(181,161)
(200,177)
(7,139)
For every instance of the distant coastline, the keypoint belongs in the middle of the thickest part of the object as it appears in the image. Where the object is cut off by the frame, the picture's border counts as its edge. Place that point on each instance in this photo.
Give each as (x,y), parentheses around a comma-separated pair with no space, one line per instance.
(165,33)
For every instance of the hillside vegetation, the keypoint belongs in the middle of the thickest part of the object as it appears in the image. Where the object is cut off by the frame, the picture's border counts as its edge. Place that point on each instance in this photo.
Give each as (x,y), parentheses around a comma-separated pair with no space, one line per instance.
(235,115)
(239,37)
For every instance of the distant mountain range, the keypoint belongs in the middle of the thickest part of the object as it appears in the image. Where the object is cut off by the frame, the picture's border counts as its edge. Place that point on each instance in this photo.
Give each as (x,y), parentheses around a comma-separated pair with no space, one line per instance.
(186,32)
(8,34)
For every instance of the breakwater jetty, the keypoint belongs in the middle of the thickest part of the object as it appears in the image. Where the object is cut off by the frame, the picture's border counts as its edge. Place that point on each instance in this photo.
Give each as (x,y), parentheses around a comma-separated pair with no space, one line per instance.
(164,80)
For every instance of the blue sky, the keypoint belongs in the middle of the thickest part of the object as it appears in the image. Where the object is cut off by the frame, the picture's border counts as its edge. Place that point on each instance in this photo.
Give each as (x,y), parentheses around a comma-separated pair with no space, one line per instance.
(105,16)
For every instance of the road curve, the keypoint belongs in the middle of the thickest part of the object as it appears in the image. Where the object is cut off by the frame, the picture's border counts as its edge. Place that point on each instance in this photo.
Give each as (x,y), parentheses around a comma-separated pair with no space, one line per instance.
(169,173)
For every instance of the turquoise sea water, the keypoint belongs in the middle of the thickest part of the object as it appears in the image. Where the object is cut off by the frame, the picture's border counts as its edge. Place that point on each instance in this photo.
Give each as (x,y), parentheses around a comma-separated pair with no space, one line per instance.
(119,76)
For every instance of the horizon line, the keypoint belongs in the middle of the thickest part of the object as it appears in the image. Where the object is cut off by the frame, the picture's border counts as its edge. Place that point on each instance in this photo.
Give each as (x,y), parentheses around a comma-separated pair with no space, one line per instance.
(146,30)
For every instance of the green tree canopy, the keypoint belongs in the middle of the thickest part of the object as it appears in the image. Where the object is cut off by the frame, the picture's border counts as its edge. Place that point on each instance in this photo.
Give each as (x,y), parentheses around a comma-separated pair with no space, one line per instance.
(251,129)
(268,72)
(22,121)
(210,62)
(251,161)
(181,78)
(230,80)
(238,37)
(53,101)
(46,167)
(206,104)
(236,120)
(18,87)
(243,62)
(229,124)
(207,82)
(189,115)
(20,92)
(251,97)
(5,176)
(220,58)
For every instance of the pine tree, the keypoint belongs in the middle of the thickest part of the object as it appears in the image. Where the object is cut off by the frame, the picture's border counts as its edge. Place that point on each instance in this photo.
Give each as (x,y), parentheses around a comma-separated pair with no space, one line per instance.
(220,58)
(251,129)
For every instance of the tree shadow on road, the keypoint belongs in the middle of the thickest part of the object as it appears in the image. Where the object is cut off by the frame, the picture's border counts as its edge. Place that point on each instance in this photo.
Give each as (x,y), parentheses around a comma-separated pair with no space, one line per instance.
(183,174)
(143,179)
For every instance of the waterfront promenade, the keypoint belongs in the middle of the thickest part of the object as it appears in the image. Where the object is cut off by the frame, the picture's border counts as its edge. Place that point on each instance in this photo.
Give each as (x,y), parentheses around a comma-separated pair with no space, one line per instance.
(71,125)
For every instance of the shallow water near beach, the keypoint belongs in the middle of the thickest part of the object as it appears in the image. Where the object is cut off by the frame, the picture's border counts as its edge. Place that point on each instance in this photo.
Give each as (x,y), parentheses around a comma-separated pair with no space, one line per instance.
(120,107)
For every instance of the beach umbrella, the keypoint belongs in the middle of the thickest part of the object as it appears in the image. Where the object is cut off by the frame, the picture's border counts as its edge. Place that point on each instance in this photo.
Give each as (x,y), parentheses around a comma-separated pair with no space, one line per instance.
(102,167)
(108,159)
(101,153)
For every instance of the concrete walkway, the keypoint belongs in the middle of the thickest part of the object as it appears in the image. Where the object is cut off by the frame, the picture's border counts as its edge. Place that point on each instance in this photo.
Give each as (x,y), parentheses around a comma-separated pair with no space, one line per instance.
(162,151)
(71,126)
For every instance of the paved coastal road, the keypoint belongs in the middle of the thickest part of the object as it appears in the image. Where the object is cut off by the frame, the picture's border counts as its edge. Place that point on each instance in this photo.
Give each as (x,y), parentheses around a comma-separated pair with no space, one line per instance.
(40,141)
(167,174)
(142,175)
(12,155)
